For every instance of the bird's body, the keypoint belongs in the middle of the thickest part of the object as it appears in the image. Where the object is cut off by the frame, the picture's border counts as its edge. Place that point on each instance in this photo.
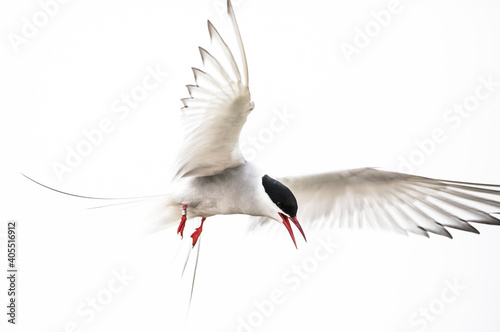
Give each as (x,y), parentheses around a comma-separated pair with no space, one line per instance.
(211,176)
(235,190)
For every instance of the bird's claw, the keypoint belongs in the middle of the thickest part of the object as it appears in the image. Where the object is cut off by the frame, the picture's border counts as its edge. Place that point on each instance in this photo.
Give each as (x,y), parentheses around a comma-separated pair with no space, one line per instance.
(196,234)
(182,224)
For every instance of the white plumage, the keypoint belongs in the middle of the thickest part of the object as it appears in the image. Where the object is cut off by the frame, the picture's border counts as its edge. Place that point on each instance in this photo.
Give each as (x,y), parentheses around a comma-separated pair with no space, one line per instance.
(215,113)
(392,201)
(212,177)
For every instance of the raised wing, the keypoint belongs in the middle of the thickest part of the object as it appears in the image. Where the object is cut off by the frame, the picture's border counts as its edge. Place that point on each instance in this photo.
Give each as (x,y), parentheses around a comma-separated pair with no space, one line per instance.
(216,111)
(393,201)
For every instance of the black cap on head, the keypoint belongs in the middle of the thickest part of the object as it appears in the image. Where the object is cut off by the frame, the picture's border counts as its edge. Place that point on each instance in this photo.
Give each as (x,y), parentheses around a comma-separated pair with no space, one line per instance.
(280,195)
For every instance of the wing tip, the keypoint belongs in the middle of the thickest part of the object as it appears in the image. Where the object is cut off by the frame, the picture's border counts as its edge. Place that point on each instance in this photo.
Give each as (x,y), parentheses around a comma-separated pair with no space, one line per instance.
(203,53)
(196,73)
(211,29)
(423,232)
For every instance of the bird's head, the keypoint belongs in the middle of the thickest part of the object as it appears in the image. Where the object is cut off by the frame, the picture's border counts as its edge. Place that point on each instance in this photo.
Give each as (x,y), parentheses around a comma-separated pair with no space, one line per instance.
(286,204)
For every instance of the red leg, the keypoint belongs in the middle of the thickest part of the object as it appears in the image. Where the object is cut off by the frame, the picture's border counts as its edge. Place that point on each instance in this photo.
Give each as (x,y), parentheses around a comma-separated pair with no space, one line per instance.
(196,234)
(182,224)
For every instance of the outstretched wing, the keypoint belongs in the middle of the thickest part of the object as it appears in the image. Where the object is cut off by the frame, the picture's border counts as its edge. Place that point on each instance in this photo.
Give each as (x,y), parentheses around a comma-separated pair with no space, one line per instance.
(216,111)
(393,201)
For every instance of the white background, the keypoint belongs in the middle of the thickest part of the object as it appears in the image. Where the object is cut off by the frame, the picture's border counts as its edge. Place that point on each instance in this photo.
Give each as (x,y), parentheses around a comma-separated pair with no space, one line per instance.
(367,112)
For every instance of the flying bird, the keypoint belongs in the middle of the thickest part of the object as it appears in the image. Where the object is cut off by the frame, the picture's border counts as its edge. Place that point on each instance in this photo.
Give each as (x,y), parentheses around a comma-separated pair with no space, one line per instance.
(211,176)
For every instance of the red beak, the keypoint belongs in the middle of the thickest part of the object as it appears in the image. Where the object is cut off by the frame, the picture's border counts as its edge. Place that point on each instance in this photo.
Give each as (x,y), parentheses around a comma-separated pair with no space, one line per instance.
(286,221)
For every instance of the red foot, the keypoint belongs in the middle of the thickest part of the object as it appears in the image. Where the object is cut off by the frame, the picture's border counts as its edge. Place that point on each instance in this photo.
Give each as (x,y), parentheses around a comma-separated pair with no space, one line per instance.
(182,224)
(196,234)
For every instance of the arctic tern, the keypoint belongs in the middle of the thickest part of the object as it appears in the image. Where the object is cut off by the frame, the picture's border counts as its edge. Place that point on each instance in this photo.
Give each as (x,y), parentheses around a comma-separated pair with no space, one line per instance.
(211,176)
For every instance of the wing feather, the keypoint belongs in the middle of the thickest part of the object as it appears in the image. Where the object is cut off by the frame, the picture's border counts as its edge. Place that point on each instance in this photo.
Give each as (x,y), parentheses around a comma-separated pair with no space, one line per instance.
(393,201)
(216,110)
(221,44)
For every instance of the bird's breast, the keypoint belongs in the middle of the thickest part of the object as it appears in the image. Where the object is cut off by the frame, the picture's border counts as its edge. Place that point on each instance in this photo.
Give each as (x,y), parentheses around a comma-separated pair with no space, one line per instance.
(236,190)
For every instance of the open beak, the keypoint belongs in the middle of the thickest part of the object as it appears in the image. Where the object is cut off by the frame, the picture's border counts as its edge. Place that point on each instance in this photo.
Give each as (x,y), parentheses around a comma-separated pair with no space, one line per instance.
(286,221)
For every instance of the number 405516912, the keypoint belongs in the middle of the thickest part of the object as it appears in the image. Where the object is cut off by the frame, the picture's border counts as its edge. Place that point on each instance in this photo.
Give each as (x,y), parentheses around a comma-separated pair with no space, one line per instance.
(11,244)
